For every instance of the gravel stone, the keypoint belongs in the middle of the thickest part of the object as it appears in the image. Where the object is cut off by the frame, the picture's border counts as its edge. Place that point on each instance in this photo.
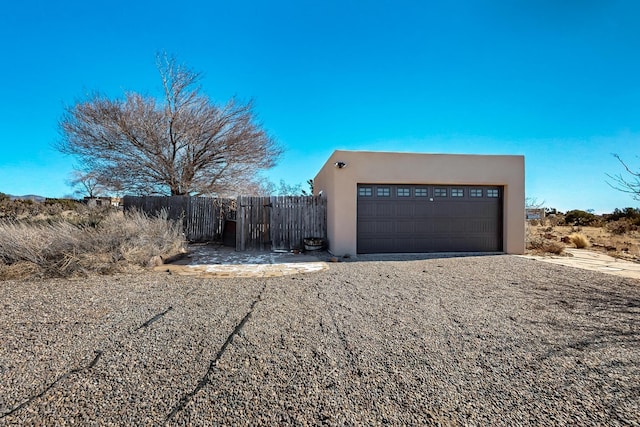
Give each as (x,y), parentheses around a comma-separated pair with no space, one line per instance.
(477,340)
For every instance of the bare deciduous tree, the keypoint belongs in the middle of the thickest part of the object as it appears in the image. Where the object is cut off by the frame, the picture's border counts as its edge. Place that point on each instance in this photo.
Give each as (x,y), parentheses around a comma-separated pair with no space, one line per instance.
(630,184)
(284,189)
(533,203)
(183,144)
(310,192)
(87,184)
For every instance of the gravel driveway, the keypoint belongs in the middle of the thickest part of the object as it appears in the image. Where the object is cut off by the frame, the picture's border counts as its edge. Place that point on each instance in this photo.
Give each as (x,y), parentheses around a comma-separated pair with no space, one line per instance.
(494,340)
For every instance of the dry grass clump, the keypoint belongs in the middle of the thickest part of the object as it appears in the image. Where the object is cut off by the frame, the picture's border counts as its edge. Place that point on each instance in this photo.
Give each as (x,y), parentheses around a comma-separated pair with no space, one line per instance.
(542,245)
(19,270)
(118,242)
(579,240)
(139,237)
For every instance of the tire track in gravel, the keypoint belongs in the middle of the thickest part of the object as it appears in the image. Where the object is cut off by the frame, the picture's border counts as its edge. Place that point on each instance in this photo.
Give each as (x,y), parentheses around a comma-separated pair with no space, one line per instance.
(347,347)
(54,383)
(213,364)
(154,319)
(92,364)
(331,308)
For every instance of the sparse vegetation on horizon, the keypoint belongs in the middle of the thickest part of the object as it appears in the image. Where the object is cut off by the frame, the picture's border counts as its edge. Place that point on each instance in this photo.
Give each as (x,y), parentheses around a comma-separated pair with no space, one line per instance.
(28,210)
(616,234)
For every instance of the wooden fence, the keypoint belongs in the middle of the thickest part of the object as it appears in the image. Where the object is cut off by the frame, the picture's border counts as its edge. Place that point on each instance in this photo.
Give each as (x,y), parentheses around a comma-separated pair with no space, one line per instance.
(279,222)
(259,223)
(203,218)
(294,219)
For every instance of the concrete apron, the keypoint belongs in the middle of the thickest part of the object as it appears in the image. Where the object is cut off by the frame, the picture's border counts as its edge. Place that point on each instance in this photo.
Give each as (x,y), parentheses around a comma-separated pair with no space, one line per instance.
(595,261)
(209,261)
(218,261)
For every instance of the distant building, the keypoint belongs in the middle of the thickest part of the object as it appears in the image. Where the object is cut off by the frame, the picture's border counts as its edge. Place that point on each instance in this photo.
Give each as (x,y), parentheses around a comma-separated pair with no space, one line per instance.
(537,213)
(103,201)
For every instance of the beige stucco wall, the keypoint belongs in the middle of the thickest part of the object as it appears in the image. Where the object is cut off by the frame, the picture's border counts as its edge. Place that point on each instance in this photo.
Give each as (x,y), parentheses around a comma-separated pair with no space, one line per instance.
(339,186)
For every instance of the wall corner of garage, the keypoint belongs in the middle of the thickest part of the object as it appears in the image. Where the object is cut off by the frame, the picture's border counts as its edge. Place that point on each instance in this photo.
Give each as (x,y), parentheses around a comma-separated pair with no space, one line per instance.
(335,184)
(514,209)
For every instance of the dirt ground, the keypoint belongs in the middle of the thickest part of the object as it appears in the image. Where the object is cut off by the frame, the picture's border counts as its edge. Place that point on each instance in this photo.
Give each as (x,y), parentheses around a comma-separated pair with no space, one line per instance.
(625,246)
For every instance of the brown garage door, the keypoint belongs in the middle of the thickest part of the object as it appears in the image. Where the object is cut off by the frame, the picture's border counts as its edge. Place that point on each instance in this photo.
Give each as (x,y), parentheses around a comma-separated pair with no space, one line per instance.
(429,218)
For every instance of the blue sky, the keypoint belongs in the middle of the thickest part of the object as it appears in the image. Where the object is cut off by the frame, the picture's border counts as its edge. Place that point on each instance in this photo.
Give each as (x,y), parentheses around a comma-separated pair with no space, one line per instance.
(556,81)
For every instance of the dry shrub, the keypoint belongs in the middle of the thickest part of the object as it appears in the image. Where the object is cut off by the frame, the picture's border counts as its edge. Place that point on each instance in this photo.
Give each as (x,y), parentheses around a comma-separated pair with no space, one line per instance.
(62,249)
(621,226)
(538,243)
(45,245)
(139,237)
(19,270)
(555,220)
(579,240)
(542,245)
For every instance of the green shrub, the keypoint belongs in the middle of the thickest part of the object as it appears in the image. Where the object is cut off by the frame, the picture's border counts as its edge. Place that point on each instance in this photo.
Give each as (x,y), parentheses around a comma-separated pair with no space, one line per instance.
(578,217)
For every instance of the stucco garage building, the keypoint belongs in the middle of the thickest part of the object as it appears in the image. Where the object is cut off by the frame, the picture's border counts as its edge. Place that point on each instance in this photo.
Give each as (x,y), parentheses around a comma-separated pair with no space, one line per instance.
(381,202)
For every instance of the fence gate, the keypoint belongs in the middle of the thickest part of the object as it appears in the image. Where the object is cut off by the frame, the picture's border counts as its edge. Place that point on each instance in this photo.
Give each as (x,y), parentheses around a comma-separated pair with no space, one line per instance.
(253,224)
(279,222)
(295,218)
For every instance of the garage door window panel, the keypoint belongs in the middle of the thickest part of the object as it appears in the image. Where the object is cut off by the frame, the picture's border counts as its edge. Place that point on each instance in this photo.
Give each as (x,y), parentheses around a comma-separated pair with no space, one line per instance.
(365,192)
(383,192)
(404,192)
(422,192)
(440,192)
